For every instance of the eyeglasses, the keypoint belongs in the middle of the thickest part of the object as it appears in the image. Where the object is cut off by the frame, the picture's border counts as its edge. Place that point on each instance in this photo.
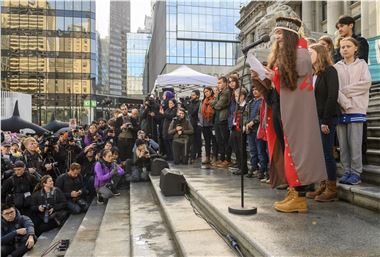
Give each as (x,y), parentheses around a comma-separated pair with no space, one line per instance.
(8,213)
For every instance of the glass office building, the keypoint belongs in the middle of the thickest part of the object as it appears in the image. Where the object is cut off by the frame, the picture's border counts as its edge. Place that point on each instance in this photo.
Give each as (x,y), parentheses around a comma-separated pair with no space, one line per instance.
(202,32)
(137,45)
(49,50)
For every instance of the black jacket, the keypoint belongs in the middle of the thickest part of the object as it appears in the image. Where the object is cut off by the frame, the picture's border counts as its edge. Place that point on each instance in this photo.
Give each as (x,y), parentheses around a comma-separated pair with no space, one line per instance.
(87,166)
(8,229)
(326,95)
(56,199)
(68,184)
(362,51)
(15,187)
(193,109)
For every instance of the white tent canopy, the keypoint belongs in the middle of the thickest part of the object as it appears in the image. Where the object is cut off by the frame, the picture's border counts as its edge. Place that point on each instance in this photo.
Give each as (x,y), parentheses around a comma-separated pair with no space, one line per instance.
(185,76)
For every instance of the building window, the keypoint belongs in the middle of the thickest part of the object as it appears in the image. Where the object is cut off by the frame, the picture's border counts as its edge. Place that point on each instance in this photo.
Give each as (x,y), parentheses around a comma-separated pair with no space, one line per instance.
(324,10)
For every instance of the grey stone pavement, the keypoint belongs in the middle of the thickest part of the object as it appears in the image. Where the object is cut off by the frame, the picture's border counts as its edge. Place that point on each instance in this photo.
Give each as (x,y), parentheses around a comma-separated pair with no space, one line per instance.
(328,229)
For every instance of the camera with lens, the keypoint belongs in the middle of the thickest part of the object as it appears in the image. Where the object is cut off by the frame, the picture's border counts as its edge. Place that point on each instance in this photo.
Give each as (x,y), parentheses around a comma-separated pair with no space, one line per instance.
(99,145)
(46,212)
(50,140)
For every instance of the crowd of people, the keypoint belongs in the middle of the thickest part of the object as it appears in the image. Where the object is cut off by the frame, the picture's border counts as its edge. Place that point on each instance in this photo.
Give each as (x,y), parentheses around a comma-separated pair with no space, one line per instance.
(289,121)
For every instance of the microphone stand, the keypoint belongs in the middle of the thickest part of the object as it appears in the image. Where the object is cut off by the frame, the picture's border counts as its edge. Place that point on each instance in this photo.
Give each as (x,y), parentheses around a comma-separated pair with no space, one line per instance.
(242,210)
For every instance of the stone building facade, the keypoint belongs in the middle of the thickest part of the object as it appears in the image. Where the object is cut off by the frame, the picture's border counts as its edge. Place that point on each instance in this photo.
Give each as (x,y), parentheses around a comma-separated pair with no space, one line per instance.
(257,18)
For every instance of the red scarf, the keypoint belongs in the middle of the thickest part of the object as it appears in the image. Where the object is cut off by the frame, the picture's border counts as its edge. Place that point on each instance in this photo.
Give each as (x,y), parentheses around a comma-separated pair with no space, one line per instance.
(207,111)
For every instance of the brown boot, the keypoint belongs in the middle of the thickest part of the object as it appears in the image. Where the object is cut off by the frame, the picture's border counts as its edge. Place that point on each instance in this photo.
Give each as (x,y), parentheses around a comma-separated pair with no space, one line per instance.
(322,187)
(216,162)
(224,164)
(289,195)
(294,204)
(207,160)
(330,194)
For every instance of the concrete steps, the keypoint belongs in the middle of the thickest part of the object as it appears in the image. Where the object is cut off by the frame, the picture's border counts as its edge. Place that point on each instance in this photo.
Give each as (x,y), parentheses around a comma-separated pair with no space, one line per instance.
(149,234)
(373,121)
(364,195)
(43,242)
(49,238)
(373,131)
(114,231)
(83,244)
(373,142)
(192,234)
(373,156)
(270,233)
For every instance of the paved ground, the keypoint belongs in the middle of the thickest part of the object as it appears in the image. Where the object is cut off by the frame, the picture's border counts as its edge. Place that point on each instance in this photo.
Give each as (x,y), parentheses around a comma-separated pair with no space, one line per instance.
(329,229)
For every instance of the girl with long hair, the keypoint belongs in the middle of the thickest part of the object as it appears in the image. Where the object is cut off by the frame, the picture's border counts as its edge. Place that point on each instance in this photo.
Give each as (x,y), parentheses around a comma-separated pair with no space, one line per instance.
(353,98)
(326,85)
(206,120)
(294,143)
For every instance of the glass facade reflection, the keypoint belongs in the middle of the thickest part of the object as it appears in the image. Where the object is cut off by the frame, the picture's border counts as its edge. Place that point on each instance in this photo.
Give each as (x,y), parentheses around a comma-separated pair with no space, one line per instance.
(48,49)
(137,46)
(202,32)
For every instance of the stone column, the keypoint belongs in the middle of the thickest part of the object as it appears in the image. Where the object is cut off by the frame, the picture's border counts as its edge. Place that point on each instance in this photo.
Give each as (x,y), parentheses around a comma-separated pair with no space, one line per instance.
(373,19)
(318,16)
(334,10)
(365,18)
(308,14)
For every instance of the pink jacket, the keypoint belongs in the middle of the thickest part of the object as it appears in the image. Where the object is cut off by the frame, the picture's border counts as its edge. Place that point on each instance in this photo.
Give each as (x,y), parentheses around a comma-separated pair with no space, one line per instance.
(354,84)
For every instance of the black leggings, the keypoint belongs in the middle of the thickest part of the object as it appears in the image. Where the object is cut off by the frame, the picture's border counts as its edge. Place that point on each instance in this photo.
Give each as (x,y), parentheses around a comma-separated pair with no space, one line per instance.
(209,142)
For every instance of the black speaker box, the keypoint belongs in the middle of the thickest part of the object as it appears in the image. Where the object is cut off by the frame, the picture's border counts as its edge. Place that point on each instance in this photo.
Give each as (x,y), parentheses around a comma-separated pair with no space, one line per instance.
(172,183)
(157,166)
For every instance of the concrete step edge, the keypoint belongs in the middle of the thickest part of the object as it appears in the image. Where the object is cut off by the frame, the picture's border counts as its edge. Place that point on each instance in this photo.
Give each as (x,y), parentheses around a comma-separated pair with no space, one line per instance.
(92,219)
(42,244)
(364,195)
(68,230)
(147,224)
(182,248)
(247,246)
(104,244)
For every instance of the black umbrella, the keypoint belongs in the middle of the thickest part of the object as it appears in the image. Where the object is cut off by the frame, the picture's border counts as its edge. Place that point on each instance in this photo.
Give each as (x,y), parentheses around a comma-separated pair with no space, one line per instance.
(15,123)
(55,125)
(62,130)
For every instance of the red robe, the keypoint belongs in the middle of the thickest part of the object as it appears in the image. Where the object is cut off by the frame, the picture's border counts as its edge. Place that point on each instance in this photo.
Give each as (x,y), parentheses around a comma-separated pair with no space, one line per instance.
(302,161)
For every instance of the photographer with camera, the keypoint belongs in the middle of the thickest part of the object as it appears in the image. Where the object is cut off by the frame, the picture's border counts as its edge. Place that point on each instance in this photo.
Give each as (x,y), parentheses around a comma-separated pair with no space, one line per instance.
(18,188)
(168,116)
(141,161)
(72,150)
(107,176)
(71,184)
(181,129)
(17,232)
(126,128)
(49,206)
(55,157)
(32,157)
(87,161)
(150,117)
(92,135)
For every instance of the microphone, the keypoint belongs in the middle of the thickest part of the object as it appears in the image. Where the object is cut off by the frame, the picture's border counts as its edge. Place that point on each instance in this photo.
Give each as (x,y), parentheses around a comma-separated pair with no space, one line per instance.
(264,39)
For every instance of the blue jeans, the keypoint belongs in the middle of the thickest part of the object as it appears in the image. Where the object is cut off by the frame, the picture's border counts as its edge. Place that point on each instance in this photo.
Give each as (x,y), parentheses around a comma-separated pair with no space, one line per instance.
(262,154)
(254,160)
(328,143)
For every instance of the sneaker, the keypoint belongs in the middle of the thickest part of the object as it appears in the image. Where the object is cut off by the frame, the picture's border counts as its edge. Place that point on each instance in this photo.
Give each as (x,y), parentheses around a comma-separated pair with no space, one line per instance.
(266,177)
(353,180)
(99,199)
(343,179)
(261,176)
(115,192)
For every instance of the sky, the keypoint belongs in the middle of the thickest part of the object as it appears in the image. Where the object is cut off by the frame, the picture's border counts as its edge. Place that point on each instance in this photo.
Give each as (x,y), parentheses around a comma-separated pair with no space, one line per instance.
(139,8)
